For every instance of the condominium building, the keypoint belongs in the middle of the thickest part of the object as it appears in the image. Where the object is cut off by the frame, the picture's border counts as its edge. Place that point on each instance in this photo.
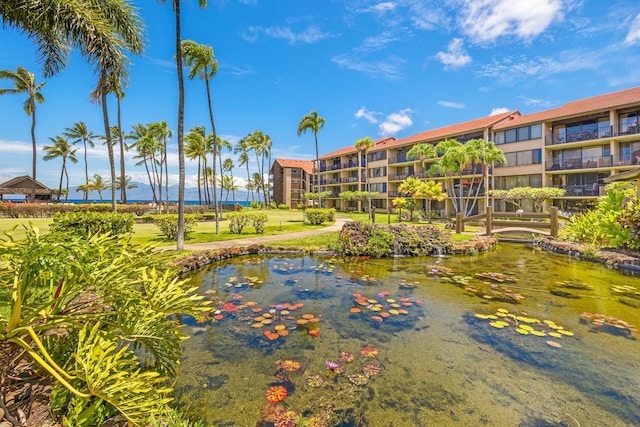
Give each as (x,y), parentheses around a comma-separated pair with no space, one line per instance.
(573,147)
(291,179)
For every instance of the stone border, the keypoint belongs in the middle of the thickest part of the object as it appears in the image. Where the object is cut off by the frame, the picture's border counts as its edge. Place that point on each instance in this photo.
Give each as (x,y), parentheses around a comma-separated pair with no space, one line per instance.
(617,260)
(202,259)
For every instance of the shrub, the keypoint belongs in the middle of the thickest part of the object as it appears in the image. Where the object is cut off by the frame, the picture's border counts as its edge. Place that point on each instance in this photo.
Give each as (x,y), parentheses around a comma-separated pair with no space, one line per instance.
(257,221)
(316,216)
(87,224)
(283,206)
(168,224)
(237,221)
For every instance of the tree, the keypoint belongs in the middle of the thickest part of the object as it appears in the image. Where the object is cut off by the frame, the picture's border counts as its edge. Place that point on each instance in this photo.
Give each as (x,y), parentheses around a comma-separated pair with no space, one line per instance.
(422,152)
(127,184)
(221,145)
(314,123)
(202,63)
(226,182)
(242,148)
(432,190)
(259,142)
(484,153)
(98,184)
(80,133)
(25,82)
(365,144)
(196,149)
(61,149)
(146,147)
(228,166)
(452,159)
(414,188)
(518,196)
(161,133)
(181,157)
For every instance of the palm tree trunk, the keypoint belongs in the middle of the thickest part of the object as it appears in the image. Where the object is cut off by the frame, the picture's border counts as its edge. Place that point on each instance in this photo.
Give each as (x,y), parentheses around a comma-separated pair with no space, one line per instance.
(66,174)
(181,170)
(107,132)
(85,198)
(35,151)
(166,172)
(153,188)
(123,187)
(199,186)
(233,189)
(60,186)
(250,189)
(317,170)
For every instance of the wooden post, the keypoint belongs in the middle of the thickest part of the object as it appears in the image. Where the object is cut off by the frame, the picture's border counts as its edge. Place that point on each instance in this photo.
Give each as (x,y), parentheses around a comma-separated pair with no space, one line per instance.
(459,223)
(553,220)
(489,220)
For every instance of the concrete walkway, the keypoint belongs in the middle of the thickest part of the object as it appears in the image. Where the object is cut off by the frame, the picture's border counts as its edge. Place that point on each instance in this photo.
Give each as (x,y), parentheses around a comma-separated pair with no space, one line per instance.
(261,240)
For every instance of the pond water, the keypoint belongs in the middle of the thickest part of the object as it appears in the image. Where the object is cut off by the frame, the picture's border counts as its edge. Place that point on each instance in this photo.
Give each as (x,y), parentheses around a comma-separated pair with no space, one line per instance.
(514,337)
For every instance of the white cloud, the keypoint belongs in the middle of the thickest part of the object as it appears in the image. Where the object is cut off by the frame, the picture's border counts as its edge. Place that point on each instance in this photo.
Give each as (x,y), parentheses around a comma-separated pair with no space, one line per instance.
(634,32)
(395,122)
(377,42)
(535,102)
(498,110)
(379,69)
(456,56)
(487,20)
(369,116)
(450,104)
(311,35)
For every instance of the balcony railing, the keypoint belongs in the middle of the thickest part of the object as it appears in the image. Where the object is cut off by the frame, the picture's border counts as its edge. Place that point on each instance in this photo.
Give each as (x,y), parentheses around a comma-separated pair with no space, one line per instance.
(351,164)
(402,158)
(592,162)
(401,177)
(586,135)
(592,190)
(349,179)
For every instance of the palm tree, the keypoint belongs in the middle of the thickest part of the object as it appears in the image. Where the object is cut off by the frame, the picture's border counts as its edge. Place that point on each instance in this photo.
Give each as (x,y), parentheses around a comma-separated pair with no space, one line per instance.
(99,185)
(432,190)
(313,122)
(365,144)
(195,149)
(97,28)
(257,181)
(118,135)
(451,161)
(229,186)
(228,166)
(161,134)
(145,145)
(80,133)
(25,82)
(242,148)
(127,184)
(61,148)
(485,153)
(221,145)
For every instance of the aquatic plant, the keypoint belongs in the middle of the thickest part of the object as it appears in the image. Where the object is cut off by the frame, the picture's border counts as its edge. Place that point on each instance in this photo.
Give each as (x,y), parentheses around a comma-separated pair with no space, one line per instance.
(358,379)
(270,411)
(276,393)
(315,381)
(609,324)
(524,325)
(371,370)
(286,419)
(369,352)
(497,277)
(346,357)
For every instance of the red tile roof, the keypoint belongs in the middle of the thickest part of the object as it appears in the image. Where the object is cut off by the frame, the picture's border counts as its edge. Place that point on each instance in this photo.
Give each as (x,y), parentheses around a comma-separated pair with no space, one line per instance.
(456,130)
(305,165)
(378,144)
(580,107)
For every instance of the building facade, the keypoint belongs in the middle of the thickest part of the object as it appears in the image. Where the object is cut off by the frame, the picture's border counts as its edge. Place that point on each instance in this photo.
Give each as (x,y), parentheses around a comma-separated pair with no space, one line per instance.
(573,147)
(291,179)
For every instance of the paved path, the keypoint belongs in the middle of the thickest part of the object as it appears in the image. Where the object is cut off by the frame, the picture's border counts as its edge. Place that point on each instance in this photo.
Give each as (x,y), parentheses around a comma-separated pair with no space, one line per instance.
(207,246)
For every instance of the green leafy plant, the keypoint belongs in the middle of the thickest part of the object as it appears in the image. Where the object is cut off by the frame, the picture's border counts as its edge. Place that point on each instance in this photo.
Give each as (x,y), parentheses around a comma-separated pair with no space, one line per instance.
(258,221)
(168,224)
(315,216)
(97,315)
(87,224)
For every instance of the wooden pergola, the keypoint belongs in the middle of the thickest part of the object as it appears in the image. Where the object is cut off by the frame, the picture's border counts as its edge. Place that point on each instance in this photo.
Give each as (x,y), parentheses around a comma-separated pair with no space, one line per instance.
(24,185)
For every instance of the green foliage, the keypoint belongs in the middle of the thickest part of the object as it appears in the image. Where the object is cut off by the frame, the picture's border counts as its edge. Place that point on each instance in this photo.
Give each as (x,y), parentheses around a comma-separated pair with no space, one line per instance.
(613,223)
(168,224)
(99,317)
(239,220)
(283,206)
(87,224)
(40,210)
(316,216)
(535,196)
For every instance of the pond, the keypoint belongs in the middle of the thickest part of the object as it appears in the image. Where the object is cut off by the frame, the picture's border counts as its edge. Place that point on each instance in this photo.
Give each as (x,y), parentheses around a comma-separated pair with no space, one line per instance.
(514,337)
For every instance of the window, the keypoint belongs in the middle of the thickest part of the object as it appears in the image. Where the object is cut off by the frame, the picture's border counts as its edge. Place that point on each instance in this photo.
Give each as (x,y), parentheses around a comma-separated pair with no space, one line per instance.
(524,133)
(536,131)
(509,182)
(499,138)
(378,155)
(521,158)
(511,136)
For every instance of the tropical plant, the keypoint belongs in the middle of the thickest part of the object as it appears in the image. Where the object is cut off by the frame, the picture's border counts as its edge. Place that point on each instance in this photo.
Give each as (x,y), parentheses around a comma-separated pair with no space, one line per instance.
(220,146)
(80,133)
(228,166)
(365,144)
(415,189)
(118,135)
(99,317)
(60,149)
(99,185)
(196,149)
(432,190)
(168,224)
(524,197)
(25,82)
(314,123)
(127,183)
(242,149)
(162,134)
(88,224)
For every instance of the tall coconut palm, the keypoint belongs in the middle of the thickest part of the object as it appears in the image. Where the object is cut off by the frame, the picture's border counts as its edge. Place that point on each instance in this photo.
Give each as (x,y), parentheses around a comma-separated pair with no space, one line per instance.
(195,149)
(181,170)
(161,134)
(228,166)
(61,149)
(25,82)
(484,153)
(221,146)
(242,148)
(145,145)
(80,133)
(314,123)
(365,144)
(99,184)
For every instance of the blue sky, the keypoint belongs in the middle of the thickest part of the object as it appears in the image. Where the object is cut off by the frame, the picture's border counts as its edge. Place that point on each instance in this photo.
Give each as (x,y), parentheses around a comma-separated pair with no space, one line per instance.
(370,68)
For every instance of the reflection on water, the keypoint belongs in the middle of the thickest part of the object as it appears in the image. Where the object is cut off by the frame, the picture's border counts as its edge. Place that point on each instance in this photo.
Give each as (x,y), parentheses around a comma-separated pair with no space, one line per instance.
(515,337)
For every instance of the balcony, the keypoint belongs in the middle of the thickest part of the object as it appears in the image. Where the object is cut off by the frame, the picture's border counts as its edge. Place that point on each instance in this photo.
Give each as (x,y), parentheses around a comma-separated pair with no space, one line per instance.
(349,180)
(592,190)
(580,163)
(351,164)
(401,158)
(598,133)
(399,177)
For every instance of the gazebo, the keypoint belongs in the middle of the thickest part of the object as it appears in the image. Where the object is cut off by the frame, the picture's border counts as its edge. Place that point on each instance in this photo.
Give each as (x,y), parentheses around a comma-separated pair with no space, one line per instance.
(24,185)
